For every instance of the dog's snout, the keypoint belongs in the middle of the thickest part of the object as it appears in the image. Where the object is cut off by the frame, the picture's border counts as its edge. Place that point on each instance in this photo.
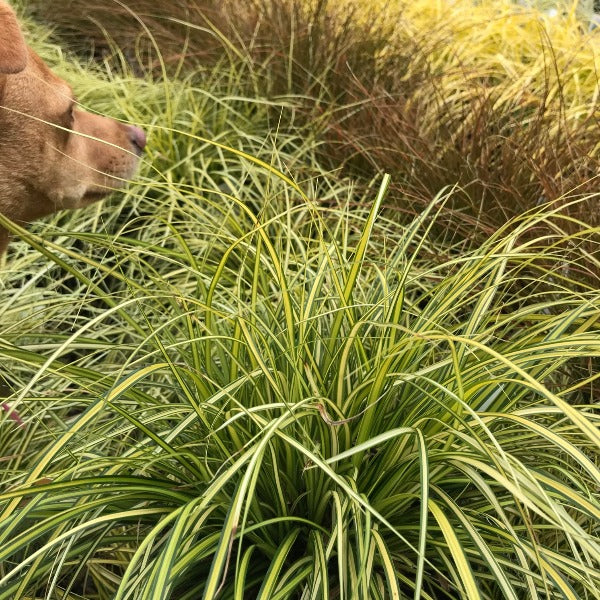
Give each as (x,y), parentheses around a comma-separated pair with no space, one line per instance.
(137,137)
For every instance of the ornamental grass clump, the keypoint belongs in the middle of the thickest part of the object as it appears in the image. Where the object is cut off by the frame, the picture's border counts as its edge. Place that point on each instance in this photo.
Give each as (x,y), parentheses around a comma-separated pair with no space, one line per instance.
(299,403)
(246,378)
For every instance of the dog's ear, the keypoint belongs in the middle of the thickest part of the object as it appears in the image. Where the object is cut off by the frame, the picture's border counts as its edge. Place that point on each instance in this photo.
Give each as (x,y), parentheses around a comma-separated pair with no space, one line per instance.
(13,51)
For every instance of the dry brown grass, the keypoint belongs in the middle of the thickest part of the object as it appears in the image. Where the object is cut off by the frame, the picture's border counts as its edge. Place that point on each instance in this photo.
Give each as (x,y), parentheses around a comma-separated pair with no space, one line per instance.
(504,107)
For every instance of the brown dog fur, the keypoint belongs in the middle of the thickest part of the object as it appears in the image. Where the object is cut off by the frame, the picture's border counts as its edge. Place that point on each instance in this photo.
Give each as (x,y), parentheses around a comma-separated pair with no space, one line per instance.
(53,155)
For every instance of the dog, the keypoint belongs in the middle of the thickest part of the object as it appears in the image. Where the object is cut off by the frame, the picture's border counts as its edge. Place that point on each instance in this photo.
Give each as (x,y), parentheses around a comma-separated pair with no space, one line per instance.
(53,154)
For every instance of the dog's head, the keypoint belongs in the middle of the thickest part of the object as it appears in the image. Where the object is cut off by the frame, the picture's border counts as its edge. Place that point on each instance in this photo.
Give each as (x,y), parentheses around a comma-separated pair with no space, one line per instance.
(53,155)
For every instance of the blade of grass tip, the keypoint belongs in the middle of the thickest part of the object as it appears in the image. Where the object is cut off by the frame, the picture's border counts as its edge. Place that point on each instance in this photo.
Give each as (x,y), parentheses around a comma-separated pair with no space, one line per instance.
(396,306)
(485,299)
(457,553)
(355,268)
(396,303)
(375,441)
(290,321)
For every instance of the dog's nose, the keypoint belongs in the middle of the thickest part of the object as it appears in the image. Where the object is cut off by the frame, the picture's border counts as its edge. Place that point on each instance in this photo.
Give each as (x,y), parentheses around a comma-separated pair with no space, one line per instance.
(137,137)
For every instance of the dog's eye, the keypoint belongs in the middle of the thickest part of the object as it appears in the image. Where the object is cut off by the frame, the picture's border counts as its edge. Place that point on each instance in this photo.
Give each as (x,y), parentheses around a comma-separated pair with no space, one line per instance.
(71,114)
